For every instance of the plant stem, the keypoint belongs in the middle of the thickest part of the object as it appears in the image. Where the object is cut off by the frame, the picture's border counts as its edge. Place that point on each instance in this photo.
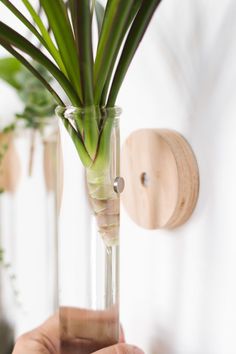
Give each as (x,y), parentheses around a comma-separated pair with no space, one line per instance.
(105,205)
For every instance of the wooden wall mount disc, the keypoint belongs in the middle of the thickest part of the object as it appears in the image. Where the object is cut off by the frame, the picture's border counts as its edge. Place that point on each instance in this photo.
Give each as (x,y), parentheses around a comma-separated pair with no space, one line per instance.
(161,178)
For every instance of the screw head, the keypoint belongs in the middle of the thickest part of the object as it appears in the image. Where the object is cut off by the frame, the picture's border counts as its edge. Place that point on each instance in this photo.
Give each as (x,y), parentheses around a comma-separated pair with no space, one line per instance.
(119,185)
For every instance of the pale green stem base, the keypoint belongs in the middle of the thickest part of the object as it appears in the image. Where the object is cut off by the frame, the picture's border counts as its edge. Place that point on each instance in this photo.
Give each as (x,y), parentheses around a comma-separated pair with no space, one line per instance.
(105,205)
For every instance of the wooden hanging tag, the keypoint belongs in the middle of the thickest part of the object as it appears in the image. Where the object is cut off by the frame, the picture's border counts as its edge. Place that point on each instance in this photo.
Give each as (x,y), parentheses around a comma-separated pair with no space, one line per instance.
(10,167)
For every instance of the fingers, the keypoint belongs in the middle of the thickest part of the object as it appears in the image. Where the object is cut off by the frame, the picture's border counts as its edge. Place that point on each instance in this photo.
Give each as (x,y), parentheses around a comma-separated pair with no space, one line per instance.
(98,326)
(43,340)
(34,343)
(80,329)
(120,349)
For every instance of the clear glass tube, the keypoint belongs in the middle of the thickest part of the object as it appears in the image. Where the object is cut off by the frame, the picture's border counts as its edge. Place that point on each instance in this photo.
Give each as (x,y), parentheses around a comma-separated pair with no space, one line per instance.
(29,203)
(89,260)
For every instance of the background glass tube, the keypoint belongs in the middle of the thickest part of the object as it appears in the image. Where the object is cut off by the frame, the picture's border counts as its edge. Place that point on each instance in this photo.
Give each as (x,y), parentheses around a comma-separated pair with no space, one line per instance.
(29,206)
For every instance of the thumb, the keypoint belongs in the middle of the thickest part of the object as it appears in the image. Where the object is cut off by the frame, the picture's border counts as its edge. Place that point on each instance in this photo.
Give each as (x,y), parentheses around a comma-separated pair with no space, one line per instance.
(120,349)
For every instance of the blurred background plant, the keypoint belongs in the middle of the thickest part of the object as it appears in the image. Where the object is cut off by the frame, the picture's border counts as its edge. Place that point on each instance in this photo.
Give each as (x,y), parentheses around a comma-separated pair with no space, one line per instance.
(38,105)
(38,102)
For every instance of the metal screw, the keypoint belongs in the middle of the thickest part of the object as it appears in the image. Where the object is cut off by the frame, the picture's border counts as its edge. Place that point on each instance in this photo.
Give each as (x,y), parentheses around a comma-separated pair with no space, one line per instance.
(119,185)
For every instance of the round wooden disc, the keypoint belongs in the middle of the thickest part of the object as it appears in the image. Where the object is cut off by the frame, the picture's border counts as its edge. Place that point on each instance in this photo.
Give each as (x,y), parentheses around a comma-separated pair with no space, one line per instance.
(161,178)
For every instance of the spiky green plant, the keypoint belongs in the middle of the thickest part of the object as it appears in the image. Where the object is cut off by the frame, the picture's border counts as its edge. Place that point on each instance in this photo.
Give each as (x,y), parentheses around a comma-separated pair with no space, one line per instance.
(87,78)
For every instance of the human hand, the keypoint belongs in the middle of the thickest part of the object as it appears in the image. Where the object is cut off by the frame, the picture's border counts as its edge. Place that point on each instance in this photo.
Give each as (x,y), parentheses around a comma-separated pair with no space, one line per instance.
(45,340)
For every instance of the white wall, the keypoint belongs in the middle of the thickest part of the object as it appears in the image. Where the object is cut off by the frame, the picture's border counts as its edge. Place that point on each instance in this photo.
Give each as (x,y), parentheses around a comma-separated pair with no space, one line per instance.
(178,287)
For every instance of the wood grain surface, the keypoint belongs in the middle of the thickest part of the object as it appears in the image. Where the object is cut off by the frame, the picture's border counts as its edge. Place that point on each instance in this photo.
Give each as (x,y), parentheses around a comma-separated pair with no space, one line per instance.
(161,178)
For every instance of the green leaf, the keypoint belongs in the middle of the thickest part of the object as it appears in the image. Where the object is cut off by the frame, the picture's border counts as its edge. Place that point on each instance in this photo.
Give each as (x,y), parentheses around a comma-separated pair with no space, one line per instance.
(9,128)
(50,45)
(13,38)
(83,35)
(24,62)
(78,142)
(60,25)
(116,16)
(91,133)
(132,14)
(133,40)
(82,29)
(9,68)
(24,20)
(85,83)
(103,152)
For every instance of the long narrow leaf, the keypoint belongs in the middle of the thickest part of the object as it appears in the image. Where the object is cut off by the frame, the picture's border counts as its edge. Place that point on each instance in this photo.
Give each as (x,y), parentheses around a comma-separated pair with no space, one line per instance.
(23,61)
(52,48)
(78,142)
(133,40)
(60,25)
(82,29)
(24,20)
(83,36)
(14,39)
(91,133)
(103,152)
(116,16)
(33,30)
(132,14)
